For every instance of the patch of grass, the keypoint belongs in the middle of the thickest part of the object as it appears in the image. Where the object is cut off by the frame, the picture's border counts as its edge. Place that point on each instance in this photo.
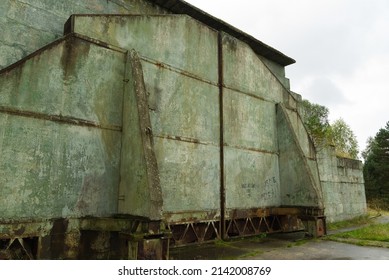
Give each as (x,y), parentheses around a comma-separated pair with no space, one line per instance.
(257,238)
(376,235)
(223,243)
(373,233)
(250,254)
(298,243)
(358,221)
(359,242)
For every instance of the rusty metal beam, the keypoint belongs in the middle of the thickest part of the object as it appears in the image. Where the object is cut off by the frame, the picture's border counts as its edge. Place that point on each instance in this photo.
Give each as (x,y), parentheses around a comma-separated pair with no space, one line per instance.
(221,112)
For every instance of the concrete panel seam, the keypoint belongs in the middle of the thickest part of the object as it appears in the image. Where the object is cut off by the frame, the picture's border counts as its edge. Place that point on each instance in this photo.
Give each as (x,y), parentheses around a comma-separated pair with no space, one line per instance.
(99,43)
(57,42)
(342,182)
(221,116)
(186,139)
(250,94)
(176,70)
(252,149)
(57,118)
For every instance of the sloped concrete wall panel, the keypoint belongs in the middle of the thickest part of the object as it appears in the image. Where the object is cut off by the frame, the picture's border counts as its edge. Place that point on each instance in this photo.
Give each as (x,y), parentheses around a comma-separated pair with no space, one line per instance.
(176,40)
(298,185)
(73,78)
(60,136)
(27,25)
(244,71)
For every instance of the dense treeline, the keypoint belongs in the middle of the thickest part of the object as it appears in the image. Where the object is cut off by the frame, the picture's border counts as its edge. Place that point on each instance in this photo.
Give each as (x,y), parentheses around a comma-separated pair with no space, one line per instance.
(376,167)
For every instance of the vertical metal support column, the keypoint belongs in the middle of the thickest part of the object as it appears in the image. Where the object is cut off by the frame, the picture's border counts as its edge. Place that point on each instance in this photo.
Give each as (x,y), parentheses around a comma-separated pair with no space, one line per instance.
(221,107)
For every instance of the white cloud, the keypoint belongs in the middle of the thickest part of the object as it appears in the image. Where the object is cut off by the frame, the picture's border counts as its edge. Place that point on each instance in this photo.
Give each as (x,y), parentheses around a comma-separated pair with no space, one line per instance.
(324,91)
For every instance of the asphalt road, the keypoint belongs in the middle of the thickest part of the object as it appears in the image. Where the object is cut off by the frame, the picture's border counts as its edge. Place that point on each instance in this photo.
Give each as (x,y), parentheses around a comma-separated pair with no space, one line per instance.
(324,250)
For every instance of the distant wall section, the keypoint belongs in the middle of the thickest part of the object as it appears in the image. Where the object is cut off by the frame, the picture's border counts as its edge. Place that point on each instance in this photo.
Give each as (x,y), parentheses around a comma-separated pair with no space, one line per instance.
(342,185)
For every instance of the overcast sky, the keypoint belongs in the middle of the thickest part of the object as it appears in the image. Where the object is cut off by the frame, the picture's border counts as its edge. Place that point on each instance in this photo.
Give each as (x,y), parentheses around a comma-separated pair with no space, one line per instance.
(341,49)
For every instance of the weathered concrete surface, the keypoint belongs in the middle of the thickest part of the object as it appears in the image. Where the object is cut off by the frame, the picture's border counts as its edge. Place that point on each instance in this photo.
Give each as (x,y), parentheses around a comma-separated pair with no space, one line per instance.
(60,81)
(175,40)
(180,77)
(60,136)
(249,127)
(154,117)
(181,106)
(185,137)
(28,25)
(249,122)
(343,186)
(244,71)
(190,176)
(298,185)
(140,189)
(252,179)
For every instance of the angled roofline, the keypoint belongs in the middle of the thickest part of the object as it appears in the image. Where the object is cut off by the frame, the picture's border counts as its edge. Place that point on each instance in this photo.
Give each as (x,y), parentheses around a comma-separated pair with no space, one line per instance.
(182,7)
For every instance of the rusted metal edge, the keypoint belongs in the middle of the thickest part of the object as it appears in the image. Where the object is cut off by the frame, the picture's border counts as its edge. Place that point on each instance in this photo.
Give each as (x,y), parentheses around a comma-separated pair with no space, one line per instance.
(307,210)
(176,70)
(185,217)
(23,229)
(186,139)
(119,224)
(241,213)
(222,230)
(57,118)
(342,182)
(251,149)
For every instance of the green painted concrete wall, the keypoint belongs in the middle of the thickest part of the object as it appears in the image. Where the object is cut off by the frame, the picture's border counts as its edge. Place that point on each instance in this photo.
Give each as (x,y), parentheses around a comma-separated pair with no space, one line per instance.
(151,141)
(139,190)
(175,40)
(251,92)
(180,76)
(60,116)
(28,25)
(298,184)
(343,186)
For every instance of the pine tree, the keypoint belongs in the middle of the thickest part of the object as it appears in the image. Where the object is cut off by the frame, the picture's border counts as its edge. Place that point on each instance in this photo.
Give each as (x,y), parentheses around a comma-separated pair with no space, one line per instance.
(376,168)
